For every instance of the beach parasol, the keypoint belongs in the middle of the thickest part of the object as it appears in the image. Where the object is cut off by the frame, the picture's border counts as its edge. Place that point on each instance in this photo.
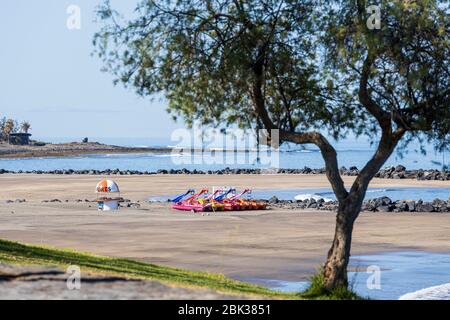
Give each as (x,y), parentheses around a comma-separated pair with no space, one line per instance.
(107,186)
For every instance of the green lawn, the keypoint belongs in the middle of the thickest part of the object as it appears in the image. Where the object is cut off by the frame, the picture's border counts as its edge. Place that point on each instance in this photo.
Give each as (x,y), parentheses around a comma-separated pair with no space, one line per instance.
(17,253)
(24,254)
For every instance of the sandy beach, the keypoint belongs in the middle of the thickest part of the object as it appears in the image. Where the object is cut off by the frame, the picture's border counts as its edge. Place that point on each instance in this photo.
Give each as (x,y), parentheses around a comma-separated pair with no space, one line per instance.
(38,187)
(273,244)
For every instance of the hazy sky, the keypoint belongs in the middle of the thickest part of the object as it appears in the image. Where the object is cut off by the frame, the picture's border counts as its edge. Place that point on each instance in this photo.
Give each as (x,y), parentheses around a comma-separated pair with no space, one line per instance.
(48,76)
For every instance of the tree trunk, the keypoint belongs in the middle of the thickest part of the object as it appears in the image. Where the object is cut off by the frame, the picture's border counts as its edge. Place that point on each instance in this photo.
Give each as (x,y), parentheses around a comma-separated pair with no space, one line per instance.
(335,271)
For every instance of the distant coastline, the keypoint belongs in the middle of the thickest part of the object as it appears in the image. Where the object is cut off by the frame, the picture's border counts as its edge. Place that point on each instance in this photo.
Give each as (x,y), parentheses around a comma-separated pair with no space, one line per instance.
(69,149)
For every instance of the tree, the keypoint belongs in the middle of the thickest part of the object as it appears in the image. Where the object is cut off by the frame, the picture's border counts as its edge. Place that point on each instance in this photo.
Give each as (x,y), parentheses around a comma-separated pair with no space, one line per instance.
(25,126)
(2,126)
(9,127)
(302,67)
(400,74)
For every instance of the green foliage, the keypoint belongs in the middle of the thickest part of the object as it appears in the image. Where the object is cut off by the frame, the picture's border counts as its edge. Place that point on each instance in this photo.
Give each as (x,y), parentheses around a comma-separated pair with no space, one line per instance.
(317,290)
(298,60)
(2,126)
(408,74)
(209,57)
(8,126)
(25,126)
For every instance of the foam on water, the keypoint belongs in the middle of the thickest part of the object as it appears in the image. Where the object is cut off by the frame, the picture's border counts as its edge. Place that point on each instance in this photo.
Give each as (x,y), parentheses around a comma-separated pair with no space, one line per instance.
(378,190)
(441,292)
(307,196)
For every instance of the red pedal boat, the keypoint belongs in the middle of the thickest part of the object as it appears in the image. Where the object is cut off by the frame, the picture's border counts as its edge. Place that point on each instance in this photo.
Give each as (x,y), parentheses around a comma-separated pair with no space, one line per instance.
(192,204)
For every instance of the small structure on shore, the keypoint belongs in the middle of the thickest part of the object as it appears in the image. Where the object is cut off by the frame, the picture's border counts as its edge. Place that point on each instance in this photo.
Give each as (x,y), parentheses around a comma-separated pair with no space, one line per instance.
(19,138)
(108,195)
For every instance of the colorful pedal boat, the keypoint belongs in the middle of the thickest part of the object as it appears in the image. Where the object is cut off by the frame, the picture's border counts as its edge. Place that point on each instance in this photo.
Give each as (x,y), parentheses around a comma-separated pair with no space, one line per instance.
(216,203)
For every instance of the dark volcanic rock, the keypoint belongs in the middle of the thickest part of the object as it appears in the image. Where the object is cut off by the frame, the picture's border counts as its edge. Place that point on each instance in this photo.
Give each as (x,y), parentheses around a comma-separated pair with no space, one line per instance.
(411,205)
(273,200)
(397,172)
(384,208)
(382,204)
(425,207)
(381,201)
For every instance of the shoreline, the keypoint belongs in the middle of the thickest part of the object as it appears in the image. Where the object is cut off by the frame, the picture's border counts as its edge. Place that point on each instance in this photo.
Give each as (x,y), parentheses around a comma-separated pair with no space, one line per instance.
(74,153)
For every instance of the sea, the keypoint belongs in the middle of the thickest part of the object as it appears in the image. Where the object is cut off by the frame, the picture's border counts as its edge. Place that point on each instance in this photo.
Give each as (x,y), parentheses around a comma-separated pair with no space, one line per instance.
(353,152)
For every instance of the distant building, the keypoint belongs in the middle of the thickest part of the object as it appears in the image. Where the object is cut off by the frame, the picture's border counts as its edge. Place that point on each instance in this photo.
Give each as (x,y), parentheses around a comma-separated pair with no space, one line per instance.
(19,138)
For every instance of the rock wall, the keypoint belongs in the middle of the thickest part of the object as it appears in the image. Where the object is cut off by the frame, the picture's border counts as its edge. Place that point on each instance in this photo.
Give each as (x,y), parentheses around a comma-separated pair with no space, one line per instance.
(398,172)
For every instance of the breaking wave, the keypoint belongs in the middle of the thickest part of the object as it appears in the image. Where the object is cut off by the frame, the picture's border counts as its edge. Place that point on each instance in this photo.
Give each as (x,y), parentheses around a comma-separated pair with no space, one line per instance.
(307,196)
(441,292)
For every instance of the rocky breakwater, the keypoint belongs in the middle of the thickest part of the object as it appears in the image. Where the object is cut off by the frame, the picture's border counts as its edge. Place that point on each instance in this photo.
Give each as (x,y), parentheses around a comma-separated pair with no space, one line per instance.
(397,172)
(400,172)
(381,204)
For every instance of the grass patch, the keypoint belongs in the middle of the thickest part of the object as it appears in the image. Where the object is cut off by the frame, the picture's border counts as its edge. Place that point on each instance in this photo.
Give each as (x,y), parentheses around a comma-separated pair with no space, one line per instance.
(23,254)
(17,253)
(317,290)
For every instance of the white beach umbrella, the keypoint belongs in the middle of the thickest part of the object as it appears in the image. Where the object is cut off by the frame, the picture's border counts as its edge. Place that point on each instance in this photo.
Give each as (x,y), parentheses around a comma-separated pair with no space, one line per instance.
(107,186)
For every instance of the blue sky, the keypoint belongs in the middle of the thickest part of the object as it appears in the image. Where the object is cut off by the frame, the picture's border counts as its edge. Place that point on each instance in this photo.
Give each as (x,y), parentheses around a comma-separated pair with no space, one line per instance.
(48,76)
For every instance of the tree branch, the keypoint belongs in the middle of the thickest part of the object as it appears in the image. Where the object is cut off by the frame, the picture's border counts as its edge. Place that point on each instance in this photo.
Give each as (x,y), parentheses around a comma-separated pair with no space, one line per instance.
(386,146)
(328,153)
(381,115)
(258,96)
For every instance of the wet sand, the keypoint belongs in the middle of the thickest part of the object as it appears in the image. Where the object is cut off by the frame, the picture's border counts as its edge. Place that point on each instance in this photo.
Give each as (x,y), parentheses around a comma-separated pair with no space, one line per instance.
(273,244)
